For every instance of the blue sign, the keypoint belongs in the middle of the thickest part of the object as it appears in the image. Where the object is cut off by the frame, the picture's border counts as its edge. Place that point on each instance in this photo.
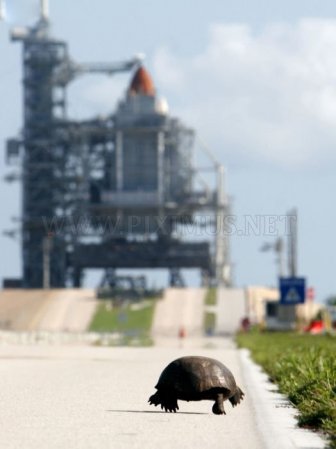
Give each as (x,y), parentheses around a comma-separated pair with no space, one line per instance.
(292,291)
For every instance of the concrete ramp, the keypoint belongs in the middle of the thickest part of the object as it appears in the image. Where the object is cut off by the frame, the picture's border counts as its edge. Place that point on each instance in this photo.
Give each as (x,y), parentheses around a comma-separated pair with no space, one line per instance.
(50,310)
(179,308)
(231,308)
(19,309)
(68,310)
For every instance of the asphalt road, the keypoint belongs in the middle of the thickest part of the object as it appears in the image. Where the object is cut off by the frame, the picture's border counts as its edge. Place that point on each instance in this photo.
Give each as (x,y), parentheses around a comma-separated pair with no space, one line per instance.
(84,397)
(68,395)
(91,397)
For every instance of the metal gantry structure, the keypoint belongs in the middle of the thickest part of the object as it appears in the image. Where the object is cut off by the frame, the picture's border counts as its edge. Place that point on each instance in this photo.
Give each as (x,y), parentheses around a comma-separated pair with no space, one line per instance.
(108,193)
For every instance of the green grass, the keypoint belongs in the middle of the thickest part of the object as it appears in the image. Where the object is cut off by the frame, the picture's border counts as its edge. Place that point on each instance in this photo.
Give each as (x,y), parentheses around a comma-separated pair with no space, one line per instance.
(209,321)
(132,321)
(209,316)
(211,297)
(304,367)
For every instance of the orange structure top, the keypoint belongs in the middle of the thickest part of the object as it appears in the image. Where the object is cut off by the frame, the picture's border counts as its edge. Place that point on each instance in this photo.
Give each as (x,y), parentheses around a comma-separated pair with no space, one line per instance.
(141,83)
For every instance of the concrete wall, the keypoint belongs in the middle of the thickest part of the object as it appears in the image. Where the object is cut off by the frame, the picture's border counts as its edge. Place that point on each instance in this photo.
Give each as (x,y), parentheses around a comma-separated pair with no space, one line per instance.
(231,308)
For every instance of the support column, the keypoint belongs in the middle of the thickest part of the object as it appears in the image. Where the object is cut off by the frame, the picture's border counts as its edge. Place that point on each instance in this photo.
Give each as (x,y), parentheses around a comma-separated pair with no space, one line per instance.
(46,261)
(160,166)
(119,161)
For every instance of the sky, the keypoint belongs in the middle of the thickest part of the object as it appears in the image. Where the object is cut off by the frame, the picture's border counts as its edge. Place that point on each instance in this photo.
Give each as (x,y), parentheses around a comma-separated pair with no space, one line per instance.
(255,79)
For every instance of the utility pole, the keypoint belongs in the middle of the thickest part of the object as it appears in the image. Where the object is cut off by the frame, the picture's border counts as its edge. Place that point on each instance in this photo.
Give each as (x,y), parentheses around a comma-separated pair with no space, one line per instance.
(292,242)
(279,249)
(287,313)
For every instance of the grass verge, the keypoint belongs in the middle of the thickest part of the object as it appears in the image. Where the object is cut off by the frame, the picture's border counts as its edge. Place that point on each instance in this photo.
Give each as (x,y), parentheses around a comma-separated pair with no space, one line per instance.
(131,320)
(210,316)
(211,297)
(304,367)
(209,322)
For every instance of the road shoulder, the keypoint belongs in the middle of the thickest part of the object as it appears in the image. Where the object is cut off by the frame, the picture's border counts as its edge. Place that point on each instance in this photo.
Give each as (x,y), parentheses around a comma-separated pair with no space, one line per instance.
(274,414)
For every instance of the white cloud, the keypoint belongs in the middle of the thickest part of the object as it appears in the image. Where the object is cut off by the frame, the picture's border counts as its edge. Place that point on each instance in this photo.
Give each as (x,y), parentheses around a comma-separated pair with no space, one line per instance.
(165,68)
(267,97)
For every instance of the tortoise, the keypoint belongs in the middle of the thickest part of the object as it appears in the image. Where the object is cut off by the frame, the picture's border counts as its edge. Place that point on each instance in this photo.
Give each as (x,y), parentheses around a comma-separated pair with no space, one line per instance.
(195,378)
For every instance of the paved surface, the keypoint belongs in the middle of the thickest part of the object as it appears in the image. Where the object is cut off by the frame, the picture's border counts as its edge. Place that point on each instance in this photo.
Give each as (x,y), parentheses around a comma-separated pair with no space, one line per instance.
(19,308)
(179,308)
(69,310)
(274,415)
(83,397)
(53,310)
(86,397)
(72,395)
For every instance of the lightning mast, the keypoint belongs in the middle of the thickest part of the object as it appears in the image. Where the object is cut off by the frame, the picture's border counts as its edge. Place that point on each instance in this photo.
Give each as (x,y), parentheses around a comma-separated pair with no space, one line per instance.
(2,10)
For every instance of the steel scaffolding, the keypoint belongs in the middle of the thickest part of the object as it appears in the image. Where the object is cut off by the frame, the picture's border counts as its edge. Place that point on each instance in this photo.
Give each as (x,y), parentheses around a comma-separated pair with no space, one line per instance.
(107,193)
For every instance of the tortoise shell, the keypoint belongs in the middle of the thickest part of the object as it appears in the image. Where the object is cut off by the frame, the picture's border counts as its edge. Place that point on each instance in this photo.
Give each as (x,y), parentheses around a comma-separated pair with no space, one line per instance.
(196,378)
(196,374)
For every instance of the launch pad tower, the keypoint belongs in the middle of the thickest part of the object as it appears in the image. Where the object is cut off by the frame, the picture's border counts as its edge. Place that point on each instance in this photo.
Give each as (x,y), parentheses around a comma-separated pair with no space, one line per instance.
(108,193)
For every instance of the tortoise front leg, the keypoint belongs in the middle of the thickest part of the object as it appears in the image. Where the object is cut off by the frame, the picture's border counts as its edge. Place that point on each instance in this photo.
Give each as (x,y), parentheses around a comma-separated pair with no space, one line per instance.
(218,407)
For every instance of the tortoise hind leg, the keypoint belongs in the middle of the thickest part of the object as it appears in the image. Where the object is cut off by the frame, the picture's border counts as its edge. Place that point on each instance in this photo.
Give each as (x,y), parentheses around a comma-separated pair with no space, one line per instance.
(218,407)
(237,397)
(168,402)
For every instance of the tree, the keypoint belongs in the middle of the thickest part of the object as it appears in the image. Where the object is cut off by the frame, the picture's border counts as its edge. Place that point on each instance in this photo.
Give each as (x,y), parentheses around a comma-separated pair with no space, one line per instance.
(331,300)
